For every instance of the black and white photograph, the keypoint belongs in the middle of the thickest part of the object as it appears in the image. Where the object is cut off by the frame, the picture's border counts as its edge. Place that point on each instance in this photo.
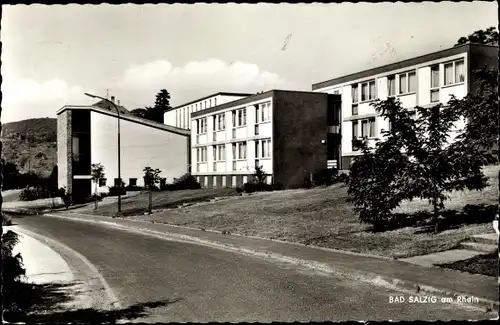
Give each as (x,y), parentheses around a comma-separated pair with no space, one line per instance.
(237,162)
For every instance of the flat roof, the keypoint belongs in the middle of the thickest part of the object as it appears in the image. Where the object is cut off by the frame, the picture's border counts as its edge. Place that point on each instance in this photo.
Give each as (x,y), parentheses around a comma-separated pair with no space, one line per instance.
(246,100)
(399,65)
(206,97)
(127,117)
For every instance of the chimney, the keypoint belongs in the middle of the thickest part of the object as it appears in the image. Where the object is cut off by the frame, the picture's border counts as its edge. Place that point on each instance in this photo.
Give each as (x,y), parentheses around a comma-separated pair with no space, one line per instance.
(118,102)
(113,99)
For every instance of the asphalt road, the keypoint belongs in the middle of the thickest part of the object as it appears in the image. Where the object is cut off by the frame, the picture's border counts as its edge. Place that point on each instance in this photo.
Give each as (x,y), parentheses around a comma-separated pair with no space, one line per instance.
(215,285)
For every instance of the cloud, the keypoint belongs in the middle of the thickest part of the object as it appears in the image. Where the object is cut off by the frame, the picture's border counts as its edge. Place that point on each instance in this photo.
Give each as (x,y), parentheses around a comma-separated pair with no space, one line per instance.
(26,98)
(140,83)
(137,87)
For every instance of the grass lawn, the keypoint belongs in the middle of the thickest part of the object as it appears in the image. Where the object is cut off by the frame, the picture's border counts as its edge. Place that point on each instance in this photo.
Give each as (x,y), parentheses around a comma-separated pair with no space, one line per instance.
(482,264)
(322,217)
(138,204)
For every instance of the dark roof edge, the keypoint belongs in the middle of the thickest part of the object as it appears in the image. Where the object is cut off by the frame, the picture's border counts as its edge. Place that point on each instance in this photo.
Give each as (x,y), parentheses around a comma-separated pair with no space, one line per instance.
(222,93)
(245,100)
(130,118)
(400,64)
(240,101)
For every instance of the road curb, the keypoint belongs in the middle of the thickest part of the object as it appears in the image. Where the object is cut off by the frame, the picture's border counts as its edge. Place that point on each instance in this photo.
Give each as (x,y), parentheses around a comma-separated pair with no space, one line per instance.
(333,250)
(112,300)
(355,274)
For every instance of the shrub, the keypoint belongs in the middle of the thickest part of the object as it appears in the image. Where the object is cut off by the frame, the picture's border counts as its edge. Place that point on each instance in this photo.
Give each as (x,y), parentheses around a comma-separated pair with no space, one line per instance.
(13,269)
(185,182)
(325,176)
(341,178)
(239,189)
(134,188)
(251,187)
(116,190)
(65,196)
(35,193)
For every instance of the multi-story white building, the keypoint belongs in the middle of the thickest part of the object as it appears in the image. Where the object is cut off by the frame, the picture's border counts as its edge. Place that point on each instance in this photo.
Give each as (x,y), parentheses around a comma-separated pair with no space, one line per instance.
(422,81)
(88,134)
(285,132)
(179,116)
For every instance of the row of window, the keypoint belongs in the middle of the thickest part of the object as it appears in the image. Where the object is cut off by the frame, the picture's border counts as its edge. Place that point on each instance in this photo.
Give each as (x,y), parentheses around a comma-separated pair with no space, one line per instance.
(454,73)
(368,128)
(131,182)
(239,118)
(182,115)
(262,150)
(268,180)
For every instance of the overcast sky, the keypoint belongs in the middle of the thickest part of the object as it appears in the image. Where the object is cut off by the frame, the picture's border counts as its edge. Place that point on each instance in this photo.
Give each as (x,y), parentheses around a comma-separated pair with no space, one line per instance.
(52,54)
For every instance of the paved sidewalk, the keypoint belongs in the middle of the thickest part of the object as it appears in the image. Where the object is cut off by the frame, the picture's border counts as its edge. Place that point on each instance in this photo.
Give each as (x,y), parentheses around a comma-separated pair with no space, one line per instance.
(44,266)
(387,272)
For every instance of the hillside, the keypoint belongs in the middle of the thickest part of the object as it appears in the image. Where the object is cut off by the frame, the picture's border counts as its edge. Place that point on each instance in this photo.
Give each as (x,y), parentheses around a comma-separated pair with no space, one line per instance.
(35,138)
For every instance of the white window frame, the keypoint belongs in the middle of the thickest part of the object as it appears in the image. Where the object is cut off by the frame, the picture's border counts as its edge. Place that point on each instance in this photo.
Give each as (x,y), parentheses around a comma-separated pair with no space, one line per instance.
(241,151)
(204,151)
(407,83)
(265,112)
(389,86)
(219,152)
(203,125)
(367,83)
(265,144)
(241,117)
(355,101)
(435,89)
(355,126)
(359,128)
(455,80)
(357,93)
(201,155)
(221,122)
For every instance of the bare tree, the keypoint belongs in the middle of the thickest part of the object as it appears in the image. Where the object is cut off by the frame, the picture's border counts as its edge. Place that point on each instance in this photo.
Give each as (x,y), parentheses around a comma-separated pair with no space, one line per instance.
(151,178)
(97,175)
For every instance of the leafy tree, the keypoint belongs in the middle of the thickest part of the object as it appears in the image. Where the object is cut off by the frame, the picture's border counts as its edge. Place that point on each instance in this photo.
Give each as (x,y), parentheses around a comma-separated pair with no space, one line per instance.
(480,110)
(439,167)
(162,104)
(487,36)
(155,113)
(259,175)
(377,177)
(10,176)
(13,263)
(97,174)
(151,178)
(415,160)
(140,112)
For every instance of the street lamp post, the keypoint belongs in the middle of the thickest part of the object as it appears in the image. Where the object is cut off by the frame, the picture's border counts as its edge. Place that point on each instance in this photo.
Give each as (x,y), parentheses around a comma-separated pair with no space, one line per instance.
(119,149)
